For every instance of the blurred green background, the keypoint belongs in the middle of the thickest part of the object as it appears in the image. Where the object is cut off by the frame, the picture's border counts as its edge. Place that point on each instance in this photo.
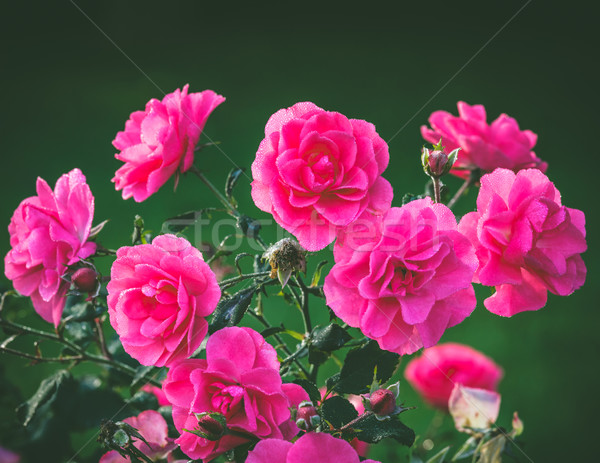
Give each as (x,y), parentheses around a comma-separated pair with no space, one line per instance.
(73,71)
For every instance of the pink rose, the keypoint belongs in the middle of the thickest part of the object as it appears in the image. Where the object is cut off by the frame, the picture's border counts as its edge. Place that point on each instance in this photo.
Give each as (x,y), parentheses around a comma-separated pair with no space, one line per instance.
(316,171)
(527,243)
(158,297)
(409,282)
(310,448)
(160,140)
(482,146)
(49,232)
(434,374)
(153,427)
(239,379)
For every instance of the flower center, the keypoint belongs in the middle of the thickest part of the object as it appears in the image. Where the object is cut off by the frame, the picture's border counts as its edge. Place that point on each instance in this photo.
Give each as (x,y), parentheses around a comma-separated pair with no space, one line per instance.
(227,399)
(401,280)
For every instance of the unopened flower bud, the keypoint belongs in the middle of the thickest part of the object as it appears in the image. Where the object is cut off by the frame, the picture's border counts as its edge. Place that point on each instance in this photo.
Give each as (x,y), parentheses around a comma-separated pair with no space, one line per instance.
(285,257)
(85,279)
(307,417)
(436,162)
(211,426)
(383,402)
(517,425)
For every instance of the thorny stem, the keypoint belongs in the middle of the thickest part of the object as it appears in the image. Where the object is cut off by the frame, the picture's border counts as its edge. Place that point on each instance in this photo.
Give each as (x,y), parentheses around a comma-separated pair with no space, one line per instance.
(286,349)
(82,355)
(101,339)
(437,197)
(232,210)
(232,281)
(473,177)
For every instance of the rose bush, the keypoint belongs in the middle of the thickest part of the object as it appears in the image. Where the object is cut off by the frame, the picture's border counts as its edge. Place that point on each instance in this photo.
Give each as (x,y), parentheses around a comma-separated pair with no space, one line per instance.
(483,146)
(317,171)
(48,233)
(527,242)
(160,141)
(409,282)
(434,374)
(158,297)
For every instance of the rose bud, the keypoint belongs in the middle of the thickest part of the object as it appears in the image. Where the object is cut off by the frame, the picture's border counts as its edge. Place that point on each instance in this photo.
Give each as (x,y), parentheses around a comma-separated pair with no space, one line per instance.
(211,426)
(383,402)
(437,163)
(307,417)
(85,279)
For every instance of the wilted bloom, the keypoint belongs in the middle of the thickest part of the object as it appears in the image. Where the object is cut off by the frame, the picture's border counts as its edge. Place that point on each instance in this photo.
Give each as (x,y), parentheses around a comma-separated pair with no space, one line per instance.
(434,373)
(310,448)
(527,242)
(240,380)
(473,408)
(316,171)
(153,428)
(285,257)
(158,297)
(409,282)
(160,141)
(49,232)
(483,146)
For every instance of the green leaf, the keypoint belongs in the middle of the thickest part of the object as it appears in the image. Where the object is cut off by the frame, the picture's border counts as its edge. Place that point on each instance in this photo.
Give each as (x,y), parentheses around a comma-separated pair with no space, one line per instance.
(408,197)
(440,456)
(81,333)
(229,312)
(317,275)
(271,331)
(467,450)
(311,389)
(46,393)
(97,229)
(329,338)
(370,429)
(231,181)
(360,364)
(140,378)
(338,411)
(138,230)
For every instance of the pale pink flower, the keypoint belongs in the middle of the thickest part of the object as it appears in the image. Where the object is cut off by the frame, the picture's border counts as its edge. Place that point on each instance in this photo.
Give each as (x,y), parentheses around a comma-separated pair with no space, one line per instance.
(434,374)
(160,141)
(317,171)
(6,456)
(158,297)
(239,379)
(49,232)
(152,427)
(409,282)
(482,146)
(527,242)
(473,408)
(310,448)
